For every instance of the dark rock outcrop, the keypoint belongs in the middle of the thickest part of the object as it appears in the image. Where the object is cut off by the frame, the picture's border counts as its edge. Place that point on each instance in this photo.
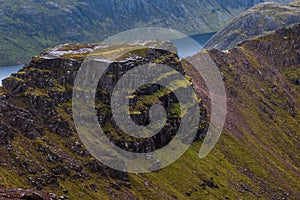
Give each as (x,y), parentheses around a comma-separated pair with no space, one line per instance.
(24,194)
(36,109)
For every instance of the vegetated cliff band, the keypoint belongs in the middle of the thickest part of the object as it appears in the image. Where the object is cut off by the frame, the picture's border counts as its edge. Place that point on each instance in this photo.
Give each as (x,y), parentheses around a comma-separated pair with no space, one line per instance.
(254,22)
(254,158)
(28,26)
(37,109)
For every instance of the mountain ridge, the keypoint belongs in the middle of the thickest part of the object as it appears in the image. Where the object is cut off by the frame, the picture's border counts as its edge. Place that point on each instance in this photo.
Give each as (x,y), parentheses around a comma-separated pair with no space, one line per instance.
(256,21)
(254,158)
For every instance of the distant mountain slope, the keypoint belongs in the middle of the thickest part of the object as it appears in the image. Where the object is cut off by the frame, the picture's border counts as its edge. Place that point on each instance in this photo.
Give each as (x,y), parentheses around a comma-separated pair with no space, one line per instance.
(259,19)
(28,26)
(256,157)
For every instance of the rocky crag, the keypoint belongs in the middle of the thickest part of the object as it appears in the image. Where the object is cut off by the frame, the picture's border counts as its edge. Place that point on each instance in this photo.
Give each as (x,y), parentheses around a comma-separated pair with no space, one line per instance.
(36,108)
(256,156)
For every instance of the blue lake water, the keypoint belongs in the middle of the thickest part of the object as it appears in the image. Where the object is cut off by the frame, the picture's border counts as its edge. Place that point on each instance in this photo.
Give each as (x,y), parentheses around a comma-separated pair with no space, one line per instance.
(191,45)
(186,47)
(7,71)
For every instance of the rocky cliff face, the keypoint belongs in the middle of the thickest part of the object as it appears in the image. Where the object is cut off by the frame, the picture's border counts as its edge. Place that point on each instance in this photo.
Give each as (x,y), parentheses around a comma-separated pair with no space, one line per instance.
(254,22)
(256,156)
(38,144)
(36,109)
(37,24)
(46,84)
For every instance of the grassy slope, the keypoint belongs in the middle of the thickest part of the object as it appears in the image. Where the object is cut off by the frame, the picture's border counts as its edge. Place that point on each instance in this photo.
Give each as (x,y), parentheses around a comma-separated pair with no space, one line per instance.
(256,156)
(261,140)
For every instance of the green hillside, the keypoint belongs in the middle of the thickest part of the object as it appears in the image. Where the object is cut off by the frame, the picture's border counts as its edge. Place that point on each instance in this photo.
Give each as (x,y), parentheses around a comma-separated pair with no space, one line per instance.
(29,26)
(258,20)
